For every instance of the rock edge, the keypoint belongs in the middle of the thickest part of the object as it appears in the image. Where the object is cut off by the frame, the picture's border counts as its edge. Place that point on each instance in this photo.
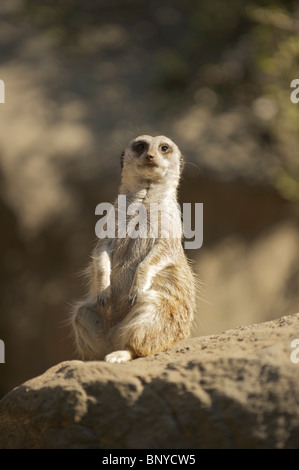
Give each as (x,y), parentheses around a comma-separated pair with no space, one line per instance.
(238,389)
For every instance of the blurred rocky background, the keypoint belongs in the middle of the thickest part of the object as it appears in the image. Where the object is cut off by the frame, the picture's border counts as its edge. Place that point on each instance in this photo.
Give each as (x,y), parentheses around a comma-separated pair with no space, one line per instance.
(84,78)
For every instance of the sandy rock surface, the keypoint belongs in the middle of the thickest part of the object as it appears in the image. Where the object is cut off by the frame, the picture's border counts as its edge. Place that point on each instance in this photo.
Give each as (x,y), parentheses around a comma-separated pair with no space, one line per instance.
(238,389)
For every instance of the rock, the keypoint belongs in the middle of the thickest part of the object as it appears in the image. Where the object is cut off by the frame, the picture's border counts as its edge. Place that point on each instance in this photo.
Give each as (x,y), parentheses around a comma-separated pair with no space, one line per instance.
(238,389)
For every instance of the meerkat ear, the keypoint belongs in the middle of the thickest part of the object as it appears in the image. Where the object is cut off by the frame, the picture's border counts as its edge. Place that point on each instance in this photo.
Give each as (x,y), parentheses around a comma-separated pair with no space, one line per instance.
(182,162)
(122,157)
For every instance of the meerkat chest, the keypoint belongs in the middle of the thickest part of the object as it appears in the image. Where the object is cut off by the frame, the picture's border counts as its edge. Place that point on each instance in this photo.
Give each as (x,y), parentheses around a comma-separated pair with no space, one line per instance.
(141,219)
(134,239)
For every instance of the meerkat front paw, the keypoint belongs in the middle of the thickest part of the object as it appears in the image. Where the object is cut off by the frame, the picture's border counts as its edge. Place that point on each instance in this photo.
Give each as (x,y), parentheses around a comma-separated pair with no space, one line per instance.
(134,293)
(104,297)
(119,356)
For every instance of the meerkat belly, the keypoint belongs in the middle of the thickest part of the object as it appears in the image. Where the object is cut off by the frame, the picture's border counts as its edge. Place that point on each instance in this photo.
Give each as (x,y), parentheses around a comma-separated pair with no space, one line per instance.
(127,254)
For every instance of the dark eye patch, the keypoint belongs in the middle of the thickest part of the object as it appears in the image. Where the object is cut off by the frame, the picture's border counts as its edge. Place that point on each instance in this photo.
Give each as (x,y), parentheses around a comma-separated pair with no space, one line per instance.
(140,146)
(165,148)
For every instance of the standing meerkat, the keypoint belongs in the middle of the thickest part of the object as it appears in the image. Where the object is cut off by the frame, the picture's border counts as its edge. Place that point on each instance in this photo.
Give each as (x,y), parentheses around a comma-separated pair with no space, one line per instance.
(141,294)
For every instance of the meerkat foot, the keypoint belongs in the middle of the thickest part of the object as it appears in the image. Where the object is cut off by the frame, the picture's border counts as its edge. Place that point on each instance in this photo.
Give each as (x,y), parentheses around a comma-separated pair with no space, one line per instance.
(119,356)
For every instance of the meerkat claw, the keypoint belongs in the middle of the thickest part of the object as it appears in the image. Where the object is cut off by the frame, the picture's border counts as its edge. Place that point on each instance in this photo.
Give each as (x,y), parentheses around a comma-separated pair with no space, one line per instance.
(132,299)
(103,298)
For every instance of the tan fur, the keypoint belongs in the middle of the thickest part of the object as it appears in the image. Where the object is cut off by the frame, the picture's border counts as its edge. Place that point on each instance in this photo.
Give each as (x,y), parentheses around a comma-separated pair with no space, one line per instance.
(141,290)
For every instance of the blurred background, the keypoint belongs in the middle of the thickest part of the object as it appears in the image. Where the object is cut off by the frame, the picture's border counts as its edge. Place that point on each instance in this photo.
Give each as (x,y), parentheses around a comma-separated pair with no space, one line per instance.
(84,78)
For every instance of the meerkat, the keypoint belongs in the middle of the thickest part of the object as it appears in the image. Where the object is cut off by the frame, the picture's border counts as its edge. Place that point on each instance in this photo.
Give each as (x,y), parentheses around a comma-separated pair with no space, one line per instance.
(141,295)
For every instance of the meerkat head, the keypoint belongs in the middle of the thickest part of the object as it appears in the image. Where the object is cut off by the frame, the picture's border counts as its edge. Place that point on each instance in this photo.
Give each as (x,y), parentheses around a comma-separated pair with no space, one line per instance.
(152,158)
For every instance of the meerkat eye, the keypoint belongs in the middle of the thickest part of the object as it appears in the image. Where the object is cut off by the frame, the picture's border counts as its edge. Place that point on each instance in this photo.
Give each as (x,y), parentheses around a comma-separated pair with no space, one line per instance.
(139,147)
(165,148)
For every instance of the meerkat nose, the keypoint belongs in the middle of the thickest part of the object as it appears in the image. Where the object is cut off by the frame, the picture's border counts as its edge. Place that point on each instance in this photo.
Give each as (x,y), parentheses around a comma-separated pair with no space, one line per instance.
(150,158)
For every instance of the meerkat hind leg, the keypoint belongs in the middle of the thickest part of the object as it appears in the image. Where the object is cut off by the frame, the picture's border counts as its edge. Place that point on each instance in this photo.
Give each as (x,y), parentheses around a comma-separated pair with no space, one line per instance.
(121,356)
(90,334)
